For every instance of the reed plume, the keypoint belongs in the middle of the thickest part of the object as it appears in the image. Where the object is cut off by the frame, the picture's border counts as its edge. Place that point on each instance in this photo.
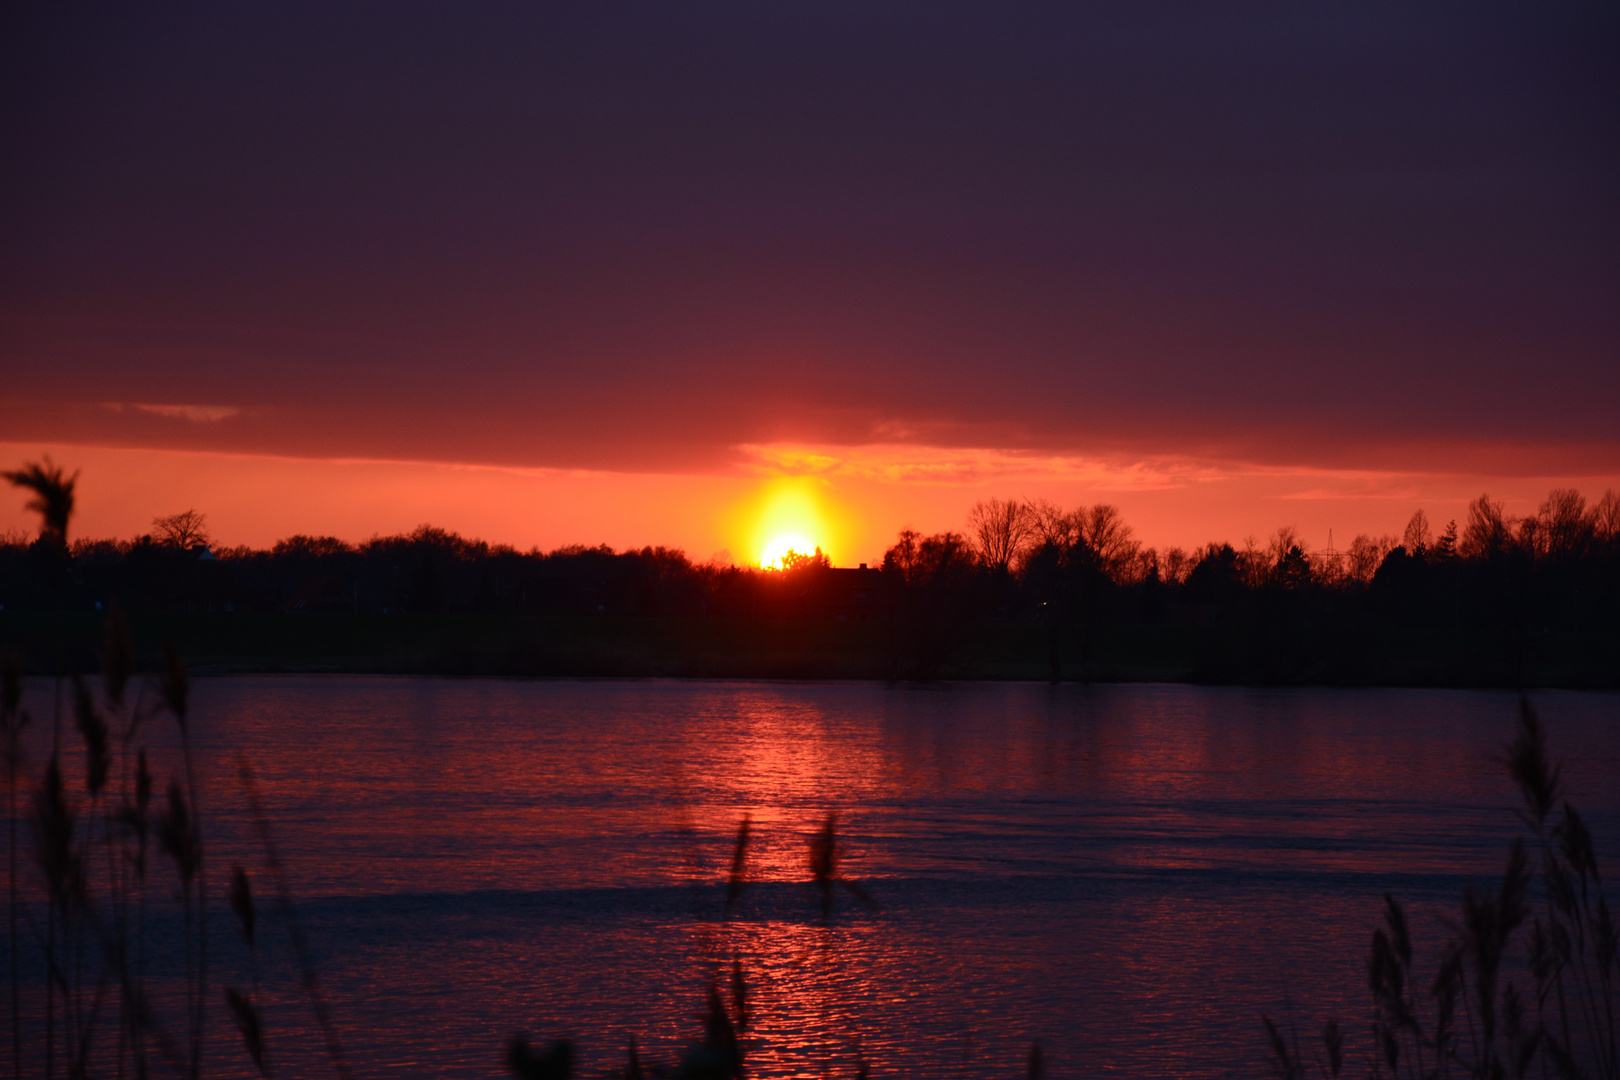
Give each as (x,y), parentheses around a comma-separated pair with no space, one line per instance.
(245,1007)
(247,1022)
(308,976)
(824,857)
(93,729)
(1478,1021)
(737,879)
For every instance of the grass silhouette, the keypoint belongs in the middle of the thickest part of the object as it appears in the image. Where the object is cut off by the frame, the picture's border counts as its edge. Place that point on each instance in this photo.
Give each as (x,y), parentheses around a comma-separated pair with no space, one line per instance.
(1484,1014)
(1524,985)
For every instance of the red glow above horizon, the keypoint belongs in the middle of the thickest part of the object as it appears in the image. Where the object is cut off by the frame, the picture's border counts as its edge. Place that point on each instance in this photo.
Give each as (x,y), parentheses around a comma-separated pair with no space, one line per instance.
(852,511)
(552,279)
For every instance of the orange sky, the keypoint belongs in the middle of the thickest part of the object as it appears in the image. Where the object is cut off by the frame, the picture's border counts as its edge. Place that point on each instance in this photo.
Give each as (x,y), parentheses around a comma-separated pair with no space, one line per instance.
(682,274)
(851,501)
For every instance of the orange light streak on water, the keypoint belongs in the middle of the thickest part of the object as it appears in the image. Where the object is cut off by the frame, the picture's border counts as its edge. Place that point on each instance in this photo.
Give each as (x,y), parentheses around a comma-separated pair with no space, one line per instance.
(1130,874)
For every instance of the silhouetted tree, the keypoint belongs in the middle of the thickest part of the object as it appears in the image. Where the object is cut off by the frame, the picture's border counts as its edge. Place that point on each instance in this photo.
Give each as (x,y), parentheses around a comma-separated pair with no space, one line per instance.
(1606,518)
(1564,531)
(1075,561)
(1217,578)
(1365,555)
(1445,548)
(1151,605)
(427,592)
(53,498)
(1001,530)
(1280,613)
(1285,540)
(900,560)
(1405,590)
(1046,582)
(484,598)
(1103,531)
(1418,537)
(1051,524)
(937,599)
(1292,569)
(1175,566)
(185,530)
(1487,535)
(794,560)
(944,561)
(311,547)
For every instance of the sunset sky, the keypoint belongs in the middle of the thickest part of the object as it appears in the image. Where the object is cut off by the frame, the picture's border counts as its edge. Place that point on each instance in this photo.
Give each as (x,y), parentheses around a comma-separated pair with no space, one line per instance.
(676,274)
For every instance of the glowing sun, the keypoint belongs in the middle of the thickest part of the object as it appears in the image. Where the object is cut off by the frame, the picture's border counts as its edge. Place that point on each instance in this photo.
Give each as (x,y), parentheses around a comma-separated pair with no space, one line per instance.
(790,520)
(777,548)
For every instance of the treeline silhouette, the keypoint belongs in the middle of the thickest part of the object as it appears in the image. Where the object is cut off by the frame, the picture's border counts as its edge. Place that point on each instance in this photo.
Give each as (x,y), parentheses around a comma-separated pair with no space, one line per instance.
(1067,580)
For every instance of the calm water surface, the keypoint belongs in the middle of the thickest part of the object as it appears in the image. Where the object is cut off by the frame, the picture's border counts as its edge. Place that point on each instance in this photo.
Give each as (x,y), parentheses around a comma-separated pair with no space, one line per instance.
(1130,874)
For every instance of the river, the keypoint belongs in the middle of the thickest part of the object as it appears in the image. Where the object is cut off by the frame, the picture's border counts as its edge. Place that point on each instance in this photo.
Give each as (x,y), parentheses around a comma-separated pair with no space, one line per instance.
(1131,875)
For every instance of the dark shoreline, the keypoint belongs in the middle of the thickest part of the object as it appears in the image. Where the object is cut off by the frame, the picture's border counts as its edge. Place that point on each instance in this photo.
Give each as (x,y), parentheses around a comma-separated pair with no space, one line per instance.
(636,647)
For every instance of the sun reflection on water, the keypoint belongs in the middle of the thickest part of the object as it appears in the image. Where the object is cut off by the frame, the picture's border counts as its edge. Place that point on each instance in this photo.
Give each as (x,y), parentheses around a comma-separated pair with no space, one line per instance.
(1118,872)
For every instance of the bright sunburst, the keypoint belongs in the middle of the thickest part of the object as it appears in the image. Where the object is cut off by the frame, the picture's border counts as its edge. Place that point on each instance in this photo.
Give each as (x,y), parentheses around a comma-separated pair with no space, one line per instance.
(778,547)
(789,519)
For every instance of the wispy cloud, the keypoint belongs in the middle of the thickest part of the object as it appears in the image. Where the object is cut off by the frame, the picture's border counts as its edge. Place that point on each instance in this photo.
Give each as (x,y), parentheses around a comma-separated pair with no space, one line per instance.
(1398,489)
(912,464)
(196,414)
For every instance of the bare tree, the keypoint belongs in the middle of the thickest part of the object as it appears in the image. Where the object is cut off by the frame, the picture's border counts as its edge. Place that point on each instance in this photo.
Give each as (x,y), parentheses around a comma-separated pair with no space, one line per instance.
(185,530)
(1565,527)
(1103,530)
(902,558)
(1001,530)
(1328,567)
(53,497)
(943,559)
(1175,565)
(1418,538)
(1252,563)
(1606,517)
(1051,524)
(1142,565)
(300,546)
(1365,554)
(1282,542)
(1488,532)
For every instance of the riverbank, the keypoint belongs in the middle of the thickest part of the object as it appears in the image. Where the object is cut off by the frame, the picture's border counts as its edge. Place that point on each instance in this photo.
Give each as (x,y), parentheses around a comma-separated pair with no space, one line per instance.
(802,649)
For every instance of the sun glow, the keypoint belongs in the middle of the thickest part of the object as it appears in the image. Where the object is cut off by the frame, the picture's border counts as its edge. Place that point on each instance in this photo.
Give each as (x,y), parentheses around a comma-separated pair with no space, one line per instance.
(777,549)
(789,518)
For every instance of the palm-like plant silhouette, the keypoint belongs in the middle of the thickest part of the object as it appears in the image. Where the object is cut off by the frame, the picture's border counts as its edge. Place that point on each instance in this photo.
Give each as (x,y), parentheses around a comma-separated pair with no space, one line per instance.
(53,496)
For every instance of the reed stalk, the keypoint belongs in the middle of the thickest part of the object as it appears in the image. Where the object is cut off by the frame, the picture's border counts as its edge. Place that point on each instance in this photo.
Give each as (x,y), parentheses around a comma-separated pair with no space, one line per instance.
(13,719)
(1571,959)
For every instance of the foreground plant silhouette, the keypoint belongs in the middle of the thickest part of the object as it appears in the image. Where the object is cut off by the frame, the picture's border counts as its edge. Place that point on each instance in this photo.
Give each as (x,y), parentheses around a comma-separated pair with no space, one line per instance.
(719,1054)
(92,846)
(53,497)
(1476,1018)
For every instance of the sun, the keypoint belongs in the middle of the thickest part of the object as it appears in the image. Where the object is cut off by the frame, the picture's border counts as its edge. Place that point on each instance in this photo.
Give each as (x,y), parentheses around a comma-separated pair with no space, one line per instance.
(777,547)
(789,518)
